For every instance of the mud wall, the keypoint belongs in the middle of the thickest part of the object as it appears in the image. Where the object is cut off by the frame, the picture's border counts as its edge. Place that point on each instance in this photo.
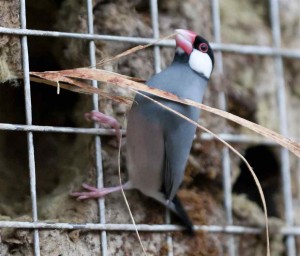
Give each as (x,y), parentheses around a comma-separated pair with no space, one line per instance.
(64,161)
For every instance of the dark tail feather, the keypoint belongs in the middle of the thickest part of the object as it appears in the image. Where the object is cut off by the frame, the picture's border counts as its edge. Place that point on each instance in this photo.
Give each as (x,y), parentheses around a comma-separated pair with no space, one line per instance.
(181,213)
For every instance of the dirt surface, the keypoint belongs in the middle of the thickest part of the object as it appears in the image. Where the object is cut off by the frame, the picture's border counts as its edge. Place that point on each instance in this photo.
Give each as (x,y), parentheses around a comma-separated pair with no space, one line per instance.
(64,161)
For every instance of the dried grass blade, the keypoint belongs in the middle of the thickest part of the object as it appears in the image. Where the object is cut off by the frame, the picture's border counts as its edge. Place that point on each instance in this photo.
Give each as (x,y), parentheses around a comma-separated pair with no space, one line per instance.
(73,85)
(125,198)
(123,81)
(131,50)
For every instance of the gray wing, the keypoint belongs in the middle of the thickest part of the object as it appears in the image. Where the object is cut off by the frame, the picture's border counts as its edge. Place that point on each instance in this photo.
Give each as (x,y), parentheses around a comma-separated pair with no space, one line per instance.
(178,138)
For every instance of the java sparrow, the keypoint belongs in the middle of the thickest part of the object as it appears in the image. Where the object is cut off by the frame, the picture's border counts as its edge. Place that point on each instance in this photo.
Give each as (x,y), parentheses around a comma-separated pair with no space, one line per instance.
(158,141)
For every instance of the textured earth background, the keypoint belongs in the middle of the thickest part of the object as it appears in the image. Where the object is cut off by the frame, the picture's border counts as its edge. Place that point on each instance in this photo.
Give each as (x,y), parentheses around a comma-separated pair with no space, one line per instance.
(64,161)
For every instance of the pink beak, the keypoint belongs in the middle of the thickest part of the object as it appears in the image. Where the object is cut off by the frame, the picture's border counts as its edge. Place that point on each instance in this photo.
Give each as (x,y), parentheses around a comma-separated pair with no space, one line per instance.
(185,39)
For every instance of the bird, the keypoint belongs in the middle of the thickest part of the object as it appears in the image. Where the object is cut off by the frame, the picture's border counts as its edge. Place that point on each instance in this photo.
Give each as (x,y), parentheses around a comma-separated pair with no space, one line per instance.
(158,142)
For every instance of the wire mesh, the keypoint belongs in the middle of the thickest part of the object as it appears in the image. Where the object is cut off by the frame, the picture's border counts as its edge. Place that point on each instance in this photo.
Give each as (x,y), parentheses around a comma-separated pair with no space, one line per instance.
(227,188)
(290,230)
(284,154)
(28,109)
(98,156)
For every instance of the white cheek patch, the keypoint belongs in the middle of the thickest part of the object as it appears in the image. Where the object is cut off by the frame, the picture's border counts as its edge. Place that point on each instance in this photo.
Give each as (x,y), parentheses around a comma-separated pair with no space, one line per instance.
(201,63)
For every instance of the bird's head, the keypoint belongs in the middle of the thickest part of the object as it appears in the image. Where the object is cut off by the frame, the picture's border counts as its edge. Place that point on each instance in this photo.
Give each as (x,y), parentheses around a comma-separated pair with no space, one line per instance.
(201,56)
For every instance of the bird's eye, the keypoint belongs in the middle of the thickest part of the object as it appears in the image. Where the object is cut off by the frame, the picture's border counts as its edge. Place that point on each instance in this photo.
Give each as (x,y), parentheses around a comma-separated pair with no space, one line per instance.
(203,47)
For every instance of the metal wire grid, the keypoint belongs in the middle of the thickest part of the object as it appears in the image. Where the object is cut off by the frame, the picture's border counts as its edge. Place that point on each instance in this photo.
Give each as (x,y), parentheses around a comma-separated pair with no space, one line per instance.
(98,156)
(290,230)
(284,154)
(223,105)
(28,110)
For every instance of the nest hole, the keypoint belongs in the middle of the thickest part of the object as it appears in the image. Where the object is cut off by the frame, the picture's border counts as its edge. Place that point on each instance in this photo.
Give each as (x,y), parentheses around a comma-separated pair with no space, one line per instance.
(267,169)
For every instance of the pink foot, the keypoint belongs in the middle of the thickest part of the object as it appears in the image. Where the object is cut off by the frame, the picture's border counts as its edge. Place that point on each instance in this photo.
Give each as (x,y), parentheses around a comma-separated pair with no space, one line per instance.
(94,192)
(104,119)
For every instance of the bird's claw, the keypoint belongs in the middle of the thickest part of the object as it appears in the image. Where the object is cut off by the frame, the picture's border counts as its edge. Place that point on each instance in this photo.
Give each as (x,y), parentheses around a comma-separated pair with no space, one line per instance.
(89,187)
(104,119)
(93,192)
